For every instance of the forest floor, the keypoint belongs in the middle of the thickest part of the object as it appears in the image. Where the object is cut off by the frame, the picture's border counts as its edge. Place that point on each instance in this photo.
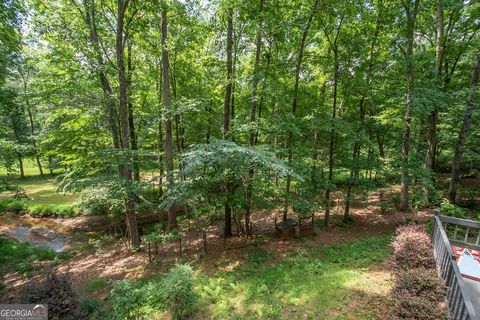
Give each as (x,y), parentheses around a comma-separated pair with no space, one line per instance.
(246,278)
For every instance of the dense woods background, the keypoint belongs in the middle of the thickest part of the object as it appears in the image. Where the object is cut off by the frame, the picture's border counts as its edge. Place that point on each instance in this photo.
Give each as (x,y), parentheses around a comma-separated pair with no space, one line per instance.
(240,105)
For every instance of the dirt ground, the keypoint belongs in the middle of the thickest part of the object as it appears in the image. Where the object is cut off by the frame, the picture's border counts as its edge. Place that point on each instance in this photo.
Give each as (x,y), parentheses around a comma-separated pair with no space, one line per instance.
(114,261)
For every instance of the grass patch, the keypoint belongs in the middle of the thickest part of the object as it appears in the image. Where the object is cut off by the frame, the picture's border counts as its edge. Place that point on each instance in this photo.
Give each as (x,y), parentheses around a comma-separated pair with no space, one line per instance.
(41,191)
(313,283)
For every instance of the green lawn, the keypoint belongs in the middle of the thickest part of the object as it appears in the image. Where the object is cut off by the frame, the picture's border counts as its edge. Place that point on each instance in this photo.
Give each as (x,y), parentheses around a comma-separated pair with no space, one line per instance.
(41,190)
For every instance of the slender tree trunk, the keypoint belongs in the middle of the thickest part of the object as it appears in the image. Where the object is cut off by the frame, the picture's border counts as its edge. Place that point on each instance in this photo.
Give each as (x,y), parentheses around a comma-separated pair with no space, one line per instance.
(172,219)
(298,68)
(433,118)
(158,87)
(123,104)
(331,149)
(410,32)
(253,114)
(226,114)
(90,21)
(357,145)
(131,123)
(34,144)
(316,138)
(472,103)
(50,165)
(20,165)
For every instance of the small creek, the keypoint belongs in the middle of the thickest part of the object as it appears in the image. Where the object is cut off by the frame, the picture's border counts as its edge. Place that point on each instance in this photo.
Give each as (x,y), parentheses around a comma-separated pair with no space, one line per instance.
(39,232)
(36,236)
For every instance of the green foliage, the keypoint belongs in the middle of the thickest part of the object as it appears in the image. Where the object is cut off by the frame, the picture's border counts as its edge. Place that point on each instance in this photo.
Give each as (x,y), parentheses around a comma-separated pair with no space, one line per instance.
(91,308)
(96,285)
(449,209)
(20,256)
(57,211)
(177,291)
(38,210)
(220,168)
(12,205)
(140,300)
(307,280)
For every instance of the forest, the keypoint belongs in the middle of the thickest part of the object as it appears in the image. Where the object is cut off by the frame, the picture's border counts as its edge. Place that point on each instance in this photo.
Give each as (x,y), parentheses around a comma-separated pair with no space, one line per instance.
(226,159)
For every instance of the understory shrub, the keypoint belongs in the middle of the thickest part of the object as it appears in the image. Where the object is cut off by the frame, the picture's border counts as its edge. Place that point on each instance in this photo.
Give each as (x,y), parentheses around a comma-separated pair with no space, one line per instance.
(12,205)
(143,299)
(56,291)
(51,210)
(418,292)
(91,308)
(412,249)
(177,291)
(418,308)
(39,210)
(419,282)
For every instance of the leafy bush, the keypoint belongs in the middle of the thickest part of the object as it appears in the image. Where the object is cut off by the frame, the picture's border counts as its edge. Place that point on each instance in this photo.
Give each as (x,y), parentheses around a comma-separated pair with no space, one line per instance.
(50,210)
(419,308)
(140,299)
(417,292)
(57,292)
(17,191)
(91,308)
(450,209)
(412,249)
(12,205)
(177,291)
(419,282)
(127,299)
(100,201)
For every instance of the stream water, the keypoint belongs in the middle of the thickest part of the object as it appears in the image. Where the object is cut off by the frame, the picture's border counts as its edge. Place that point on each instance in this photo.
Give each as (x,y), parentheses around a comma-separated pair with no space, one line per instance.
(36,233)
(36,236)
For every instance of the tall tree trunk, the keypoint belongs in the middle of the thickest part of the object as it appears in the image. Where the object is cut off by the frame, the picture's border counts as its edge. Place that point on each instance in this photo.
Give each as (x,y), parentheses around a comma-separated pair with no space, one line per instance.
(172,219)
(472,103)
(34,144)
(253,114)
(160,146)
(410,32)
(226,114)
(90,21)
(316,139)
(131,123)
(298,68)
(433,117)
(331,148)
(125,141)
(357,145)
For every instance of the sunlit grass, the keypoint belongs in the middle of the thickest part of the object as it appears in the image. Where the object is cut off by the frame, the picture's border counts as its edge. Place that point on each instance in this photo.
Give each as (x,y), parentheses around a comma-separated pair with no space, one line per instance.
(41,190)
(327,282)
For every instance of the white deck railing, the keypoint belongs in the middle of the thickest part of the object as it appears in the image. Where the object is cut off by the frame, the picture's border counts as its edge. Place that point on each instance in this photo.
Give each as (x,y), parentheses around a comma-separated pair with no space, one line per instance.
(459,302)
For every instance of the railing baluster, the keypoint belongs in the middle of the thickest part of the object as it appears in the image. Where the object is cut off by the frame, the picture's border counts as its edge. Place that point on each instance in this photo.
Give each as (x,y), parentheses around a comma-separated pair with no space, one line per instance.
(458,301)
